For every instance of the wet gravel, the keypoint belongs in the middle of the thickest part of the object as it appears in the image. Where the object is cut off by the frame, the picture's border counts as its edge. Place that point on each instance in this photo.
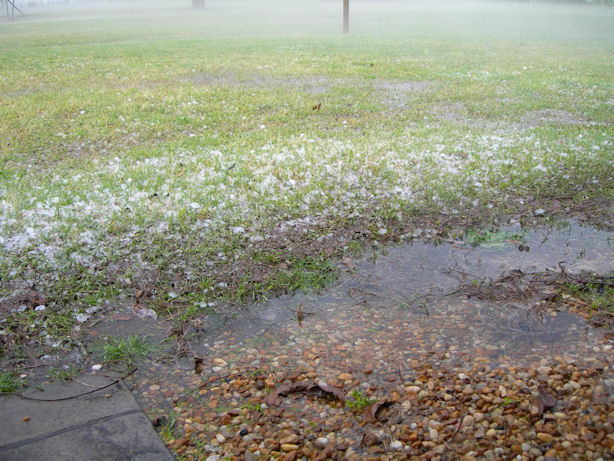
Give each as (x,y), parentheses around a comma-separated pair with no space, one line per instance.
(360,372)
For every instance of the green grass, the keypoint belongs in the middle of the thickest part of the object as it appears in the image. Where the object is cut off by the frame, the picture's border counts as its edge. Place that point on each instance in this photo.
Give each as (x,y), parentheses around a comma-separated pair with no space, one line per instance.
(492,238)
(63,374)
(129,351)
(598,296)
(358,401)
(169,428)
(11,382)
(153,146)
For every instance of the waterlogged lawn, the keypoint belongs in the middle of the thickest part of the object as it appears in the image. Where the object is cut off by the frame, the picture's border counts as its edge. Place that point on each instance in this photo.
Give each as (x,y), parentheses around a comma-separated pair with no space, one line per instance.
(205,161)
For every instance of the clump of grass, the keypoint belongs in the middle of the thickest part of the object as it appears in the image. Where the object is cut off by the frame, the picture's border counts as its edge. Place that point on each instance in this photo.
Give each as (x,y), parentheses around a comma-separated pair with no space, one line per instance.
(130,351)
(167,426)
(11,382)
(62,374)
(492,238)
(359,401)
(304,274)
(598,295)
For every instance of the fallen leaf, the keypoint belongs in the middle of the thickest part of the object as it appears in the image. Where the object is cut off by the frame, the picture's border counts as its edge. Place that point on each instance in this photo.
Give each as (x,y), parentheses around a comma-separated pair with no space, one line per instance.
(274,397)
(368,439)
(301,314)
(369,414)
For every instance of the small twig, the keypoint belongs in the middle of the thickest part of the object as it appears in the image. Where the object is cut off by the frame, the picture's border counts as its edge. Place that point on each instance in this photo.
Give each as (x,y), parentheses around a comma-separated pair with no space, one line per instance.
(401,376)
(25,397)
(460,423)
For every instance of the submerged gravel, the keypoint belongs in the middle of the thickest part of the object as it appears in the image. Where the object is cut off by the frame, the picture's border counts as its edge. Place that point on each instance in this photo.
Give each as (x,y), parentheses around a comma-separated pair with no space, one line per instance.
(354,373)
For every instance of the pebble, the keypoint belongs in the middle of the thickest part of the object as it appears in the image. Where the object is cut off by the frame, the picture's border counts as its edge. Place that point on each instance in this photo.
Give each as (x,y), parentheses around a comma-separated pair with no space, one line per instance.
(291,439)
(321,442)
(289,447)
(413,390)
(545,437)
(468,420)
(396,445)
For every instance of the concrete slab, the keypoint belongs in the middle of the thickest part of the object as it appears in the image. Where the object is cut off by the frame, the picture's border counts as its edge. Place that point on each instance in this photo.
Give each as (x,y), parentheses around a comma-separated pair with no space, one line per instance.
(105,425)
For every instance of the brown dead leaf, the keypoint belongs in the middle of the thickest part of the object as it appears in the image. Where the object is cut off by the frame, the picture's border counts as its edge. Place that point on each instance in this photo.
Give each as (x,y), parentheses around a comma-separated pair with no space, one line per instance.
(337,393)
(274,397)
(369,414)
(368,439)
(301,314)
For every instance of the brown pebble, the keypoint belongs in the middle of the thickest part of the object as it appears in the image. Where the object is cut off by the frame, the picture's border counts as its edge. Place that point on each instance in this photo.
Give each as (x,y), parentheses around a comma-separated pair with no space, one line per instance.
(545,437)
(289,447)
(291,439)
(26,418)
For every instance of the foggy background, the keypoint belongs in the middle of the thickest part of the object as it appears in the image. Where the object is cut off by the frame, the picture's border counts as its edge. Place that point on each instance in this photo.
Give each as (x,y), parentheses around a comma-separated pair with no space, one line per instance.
(295,17)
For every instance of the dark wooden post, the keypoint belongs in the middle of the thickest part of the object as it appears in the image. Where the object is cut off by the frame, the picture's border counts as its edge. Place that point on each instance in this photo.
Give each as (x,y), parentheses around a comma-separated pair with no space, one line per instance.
(346,16)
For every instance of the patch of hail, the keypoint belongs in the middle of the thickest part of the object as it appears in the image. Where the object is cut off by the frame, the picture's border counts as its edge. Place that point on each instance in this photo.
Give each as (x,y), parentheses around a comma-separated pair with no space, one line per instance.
(83,218)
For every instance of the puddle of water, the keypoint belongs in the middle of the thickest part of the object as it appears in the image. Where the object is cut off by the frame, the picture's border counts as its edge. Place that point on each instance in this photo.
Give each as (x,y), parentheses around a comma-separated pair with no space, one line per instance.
(154,331)
(381,302)
(375,316)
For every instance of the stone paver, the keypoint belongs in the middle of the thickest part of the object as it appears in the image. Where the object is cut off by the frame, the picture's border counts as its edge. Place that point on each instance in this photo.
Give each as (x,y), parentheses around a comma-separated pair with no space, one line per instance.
(104,425)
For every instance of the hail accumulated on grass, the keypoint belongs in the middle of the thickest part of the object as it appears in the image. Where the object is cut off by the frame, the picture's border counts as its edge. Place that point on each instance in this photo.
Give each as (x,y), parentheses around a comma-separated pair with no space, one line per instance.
(87,217)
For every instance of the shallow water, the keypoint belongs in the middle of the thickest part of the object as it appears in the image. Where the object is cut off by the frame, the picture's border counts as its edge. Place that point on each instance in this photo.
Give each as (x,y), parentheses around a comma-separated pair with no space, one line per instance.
(400,297)
(394,311)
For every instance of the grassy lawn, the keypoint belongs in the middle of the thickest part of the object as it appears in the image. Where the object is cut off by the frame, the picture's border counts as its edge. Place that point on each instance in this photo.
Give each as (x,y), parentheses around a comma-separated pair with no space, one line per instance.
(216,157)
